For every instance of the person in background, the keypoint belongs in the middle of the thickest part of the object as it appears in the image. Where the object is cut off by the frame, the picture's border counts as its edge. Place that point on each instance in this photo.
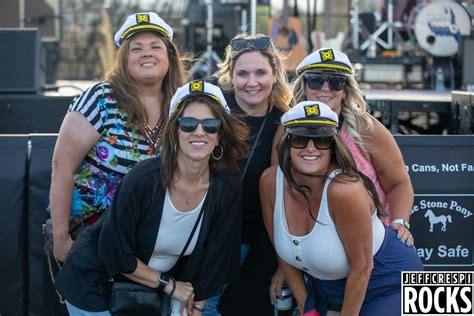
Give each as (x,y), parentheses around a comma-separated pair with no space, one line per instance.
(325,219)
(255,85)
(156,206)
(113,124)
(326,75)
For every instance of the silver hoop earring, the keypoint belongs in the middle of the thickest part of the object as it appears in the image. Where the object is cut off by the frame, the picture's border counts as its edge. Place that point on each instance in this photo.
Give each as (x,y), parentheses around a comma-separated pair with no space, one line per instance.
(218,157)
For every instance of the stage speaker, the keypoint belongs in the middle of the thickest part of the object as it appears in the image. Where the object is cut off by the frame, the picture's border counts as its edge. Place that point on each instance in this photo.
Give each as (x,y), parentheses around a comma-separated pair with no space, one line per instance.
(41,14)
(21,61)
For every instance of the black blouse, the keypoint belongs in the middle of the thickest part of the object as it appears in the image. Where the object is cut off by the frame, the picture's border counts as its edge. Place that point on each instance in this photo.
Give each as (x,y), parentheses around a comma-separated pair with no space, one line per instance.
(128,231)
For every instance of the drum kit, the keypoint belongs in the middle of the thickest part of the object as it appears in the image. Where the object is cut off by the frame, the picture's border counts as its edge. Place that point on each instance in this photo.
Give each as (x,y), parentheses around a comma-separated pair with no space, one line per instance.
(436,26)
(434,30)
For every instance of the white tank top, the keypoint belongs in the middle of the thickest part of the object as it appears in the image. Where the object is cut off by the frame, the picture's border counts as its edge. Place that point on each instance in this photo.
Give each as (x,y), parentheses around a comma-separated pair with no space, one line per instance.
(175,228)
(321,252)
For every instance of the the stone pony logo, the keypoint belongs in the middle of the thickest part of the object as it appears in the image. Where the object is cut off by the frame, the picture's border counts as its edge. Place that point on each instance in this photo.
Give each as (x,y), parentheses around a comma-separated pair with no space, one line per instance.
(441,219)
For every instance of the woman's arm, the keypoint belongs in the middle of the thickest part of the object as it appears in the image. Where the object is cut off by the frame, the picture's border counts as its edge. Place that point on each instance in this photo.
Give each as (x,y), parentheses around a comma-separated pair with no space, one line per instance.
(76,138)
(183,291)
(294,276)
(350,205)
(388,162)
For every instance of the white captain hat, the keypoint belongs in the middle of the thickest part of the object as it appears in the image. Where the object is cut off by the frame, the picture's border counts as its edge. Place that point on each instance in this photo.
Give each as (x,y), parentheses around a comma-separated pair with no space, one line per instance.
(140,22)
(326,60)
(310,118)
(198,87)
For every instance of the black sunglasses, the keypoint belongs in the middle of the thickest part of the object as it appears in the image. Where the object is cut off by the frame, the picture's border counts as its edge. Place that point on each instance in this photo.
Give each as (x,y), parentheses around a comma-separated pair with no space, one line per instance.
(189,124)
(316,82)
(260,43)
(300,142)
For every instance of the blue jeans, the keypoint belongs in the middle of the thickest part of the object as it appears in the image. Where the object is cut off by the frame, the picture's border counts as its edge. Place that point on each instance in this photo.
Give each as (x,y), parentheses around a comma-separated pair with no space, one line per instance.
(76,311)
(213,302)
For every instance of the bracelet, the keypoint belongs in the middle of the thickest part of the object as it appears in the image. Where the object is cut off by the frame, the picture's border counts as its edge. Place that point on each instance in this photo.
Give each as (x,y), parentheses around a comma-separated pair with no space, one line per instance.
(170,294)
(199,308)
(402,221)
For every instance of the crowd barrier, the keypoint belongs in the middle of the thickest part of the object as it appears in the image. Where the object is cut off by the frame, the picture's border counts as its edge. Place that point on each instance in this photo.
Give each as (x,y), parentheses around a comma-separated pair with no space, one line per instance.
(441,169)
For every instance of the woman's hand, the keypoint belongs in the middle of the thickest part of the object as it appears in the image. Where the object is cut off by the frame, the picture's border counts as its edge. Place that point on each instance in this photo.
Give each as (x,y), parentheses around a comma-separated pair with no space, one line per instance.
(403,234)
(183,292)
(276,285)
(62,245)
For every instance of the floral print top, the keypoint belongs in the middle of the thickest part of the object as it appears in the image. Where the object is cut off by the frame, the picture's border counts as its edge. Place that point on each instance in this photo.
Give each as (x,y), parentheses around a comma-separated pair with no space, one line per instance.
(118,150)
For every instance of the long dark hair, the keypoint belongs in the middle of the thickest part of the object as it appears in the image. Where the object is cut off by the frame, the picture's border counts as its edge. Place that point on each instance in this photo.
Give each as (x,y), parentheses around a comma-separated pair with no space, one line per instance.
(232,136)
(340,154)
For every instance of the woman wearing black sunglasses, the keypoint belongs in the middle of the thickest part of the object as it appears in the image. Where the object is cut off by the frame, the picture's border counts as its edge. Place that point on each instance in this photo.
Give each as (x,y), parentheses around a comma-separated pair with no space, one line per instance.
(194,185)
(255,85)
(325,220)
(327,76)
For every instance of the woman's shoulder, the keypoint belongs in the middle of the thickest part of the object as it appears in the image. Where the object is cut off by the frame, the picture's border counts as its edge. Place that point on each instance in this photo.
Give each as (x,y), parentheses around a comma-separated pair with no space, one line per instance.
(268,176)
(227,179)
(346,187)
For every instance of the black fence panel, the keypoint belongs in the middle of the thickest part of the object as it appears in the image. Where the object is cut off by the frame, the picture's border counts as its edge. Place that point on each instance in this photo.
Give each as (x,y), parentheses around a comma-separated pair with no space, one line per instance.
(13,232)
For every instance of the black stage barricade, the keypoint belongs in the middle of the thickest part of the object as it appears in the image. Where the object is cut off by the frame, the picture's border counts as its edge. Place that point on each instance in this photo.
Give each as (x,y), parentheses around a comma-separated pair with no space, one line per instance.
(13,234)
(441,169)
(42,298)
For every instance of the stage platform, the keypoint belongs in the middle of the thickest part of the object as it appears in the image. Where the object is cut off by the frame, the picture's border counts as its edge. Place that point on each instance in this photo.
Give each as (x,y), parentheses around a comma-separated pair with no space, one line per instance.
(391,103)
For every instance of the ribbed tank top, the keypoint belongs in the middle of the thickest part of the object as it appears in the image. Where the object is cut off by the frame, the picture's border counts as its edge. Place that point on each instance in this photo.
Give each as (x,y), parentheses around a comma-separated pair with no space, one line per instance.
(320,253)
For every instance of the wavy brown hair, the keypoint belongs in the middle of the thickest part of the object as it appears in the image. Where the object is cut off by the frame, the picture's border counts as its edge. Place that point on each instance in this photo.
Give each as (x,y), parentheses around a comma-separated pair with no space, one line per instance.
(354,109)
(232,135)
(280,95)
(126,92)
(341,155)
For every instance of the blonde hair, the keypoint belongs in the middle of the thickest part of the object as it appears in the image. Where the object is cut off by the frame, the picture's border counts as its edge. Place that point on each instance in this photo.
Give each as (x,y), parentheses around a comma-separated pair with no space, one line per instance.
(125,90)
(354,109)
(280,95)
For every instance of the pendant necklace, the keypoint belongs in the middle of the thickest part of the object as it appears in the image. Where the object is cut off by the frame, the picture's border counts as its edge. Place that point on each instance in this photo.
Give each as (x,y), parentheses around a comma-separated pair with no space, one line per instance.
(153,135)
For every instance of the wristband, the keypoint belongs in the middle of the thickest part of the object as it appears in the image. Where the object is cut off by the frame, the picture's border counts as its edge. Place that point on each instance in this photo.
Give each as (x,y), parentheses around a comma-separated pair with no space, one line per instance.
(163,281)
(170,294)
(402,221)
(199,308)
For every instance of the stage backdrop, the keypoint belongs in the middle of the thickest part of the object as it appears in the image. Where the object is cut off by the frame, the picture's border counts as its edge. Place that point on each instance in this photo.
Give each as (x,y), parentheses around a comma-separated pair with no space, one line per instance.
(441,169)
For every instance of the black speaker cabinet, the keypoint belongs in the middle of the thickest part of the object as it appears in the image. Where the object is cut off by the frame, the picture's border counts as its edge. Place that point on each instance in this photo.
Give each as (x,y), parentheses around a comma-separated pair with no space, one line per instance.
(22,64)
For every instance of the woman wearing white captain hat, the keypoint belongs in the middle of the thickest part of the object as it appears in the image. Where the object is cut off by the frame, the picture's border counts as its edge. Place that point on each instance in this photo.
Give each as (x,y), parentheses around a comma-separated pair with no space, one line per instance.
(324,218)
(113,124)
(326,75)
(143,234)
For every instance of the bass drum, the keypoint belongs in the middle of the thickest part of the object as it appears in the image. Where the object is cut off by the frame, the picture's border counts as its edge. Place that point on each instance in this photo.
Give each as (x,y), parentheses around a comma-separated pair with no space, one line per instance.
(439,26)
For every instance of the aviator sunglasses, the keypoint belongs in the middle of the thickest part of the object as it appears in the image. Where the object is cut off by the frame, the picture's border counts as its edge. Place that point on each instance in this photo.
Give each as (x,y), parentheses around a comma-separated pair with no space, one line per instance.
(300,142)
(260,43)
(189,124)
(316,82)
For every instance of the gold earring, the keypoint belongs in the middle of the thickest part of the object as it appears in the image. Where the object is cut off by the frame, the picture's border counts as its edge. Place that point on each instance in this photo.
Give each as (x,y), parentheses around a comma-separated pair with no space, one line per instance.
(219,156)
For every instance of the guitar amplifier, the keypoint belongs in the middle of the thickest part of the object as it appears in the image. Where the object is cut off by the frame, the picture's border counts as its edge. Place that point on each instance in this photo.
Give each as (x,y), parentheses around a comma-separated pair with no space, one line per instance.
(22,65)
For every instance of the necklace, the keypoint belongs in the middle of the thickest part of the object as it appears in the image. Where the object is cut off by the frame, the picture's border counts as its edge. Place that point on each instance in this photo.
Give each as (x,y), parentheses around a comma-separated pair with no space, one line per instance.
(153,135)
(190,196)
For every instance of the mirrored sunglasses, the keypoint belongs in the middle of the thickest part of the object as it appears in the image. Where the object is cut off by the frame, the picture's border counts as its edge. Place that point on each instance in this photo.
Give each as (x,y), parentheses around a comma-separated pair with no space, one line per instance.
(260,43)
(300,142)
(316,82)
(189,124)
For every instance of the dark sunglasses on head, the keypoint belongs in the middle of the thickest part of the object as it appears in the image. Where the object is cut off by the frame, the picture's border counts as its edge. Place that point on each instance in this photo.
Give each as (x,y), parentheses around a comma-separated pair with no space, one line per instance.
(316,82)
(300,142)
(189,124)
(260,43)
